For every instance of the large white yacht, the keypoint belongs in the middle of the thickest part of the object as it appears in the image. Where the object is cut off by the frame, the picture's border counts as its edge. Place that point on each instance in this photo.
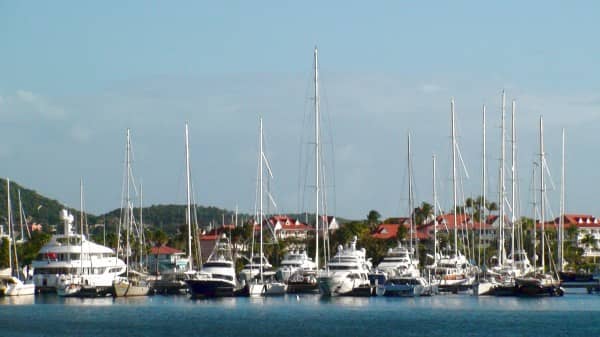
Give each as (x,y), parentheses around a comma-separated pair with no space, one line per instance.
(252,269)
(346,273)
(69,256)
(399,261)
(294,261)
(454,273)
(217,276)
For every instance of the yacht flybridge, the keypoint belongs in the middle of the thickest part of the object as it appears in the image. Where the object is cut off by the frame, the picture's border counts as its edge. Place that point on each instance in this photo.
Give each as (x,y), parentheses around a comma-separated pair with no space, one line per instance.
(69,255)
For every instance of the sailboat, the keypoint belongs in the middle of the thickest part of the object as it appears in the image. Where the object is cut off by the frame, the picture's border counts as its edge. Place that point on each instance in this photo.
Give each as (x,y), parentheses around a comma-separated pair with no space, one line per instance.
(134,283)
(12,284)
(264,284)
(304,280)
(401,265)
(176,281)
(453,269)
(499,280)
(540,283)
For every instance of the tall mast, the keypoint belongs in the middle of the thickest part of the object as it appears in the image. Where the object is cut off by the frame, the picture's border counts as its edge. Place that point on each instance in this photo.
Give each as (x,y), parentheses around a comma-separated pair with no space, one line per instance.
(21,216)
(435,244)
(482,207)
(561,230)
(410,200)
(260,184)
(502,184)
(317,159)
(141,223)
(81,224)
(454,192)
(513,190)
(9,224)
(128,201)
(188,213)
(542,192)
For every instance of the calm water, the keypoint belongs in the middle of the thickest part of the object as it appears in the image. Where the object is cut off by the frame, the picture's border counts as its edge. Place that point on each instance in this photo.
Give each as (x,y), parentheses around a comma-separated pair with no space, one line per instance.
(308,315)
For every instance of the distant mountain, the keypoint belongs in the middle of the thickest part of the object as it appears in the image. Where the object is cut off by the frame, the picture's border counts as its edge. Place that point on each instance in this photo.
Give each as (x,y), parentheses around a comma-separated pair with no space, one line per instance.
(169,218)
(35,206)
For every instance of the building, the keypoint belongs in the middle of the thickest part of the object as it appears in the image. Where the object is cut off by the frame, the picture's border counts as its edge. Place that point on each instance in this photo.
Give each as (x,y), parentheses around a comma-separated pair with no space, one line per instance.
(164,260)
(286,227)
(586,225)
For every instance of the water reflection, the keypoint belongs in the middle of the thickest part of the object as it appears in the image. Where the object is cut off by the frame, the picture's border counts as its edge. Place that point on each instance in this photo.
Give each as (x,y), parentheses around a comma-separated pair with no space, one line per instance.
(17,300)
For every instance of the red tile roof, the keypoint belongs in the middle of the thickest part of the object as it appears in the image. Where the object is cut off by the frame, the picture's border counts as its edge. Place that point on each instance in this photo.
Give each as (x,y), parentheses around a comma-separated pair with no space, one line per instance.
(290,224)
(388,231)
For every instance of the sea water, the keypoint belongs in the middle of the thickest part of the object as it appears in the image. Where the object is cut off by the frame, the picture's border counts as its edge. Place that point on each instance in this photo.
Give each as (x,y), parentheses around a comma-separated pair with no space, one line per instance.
(304,315)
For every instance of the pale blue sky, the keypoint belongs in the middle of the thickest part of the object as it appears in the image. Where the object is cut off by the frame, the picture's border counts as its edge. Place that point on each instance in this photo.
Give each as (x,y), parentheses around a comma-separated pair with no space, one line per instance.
(74,76)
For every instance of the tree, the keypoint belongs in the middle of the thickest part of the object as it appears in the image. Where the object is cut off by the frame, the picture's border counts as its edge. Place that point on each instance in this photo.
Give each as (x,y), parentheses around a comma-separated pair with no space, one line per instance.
(589,240)
(402,233)
(373,217)
(423,212)
(4,255)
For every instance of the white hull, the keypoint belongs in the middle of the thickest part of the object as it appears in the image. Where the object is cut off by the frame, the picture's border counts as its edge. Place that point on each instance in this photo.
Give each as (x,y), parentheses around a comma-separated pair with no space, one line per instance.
(340,285)
(68,290)
(483,288)
(124,288)
(12,286)
(22,289)
(267,289)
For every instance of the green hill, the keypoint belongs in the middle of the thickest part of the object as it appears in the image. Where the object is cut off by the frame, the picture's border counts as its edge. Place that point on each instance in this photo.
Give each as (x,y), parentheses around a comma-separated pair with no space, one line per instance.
(36,207)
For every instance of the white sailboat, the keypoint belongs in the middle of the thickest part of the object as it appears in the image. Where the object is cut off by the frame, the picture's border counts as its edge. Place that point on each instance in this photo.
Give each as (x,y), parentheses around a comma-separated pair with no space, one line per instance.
(264,284)
(134,283)
(304,280)
(12,284)
(454,271)
(401,265)
(175,281)
(540,283)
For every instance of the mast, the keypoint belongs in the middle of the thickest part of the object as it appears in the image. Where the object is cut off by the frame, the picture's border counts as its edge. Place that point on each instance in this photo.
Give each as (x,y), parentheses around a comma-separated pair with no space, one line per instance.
(410,200)
(435,243)
(81,224)
(513,189)
(188,216)
(9,224)
(141,224)
(483,189)
(561,229)
(260,184)
(542,192)
(21,216)
(128,201)
(534,217)
(454,192)
(317,159)
(502,184)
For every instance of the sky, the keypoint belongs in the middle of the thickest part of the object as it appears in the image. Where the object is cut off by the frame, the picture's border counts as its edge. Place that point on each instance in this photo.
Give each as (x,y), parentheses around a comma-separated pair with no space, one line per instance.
(74,76)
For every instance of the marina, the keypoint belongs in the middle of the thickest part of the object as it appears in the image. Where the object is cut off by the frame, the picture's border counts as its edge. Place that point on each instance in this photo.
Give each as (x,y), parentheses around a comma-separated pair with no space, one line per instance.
(310,168)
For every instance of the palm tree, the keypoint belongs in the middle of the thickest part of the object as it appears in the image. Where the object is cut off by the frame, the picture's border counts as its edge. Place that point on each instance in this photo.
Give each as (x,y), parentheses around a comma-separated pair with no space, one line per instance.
(158,239)
(422,212)
(373,219)
(589,241)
